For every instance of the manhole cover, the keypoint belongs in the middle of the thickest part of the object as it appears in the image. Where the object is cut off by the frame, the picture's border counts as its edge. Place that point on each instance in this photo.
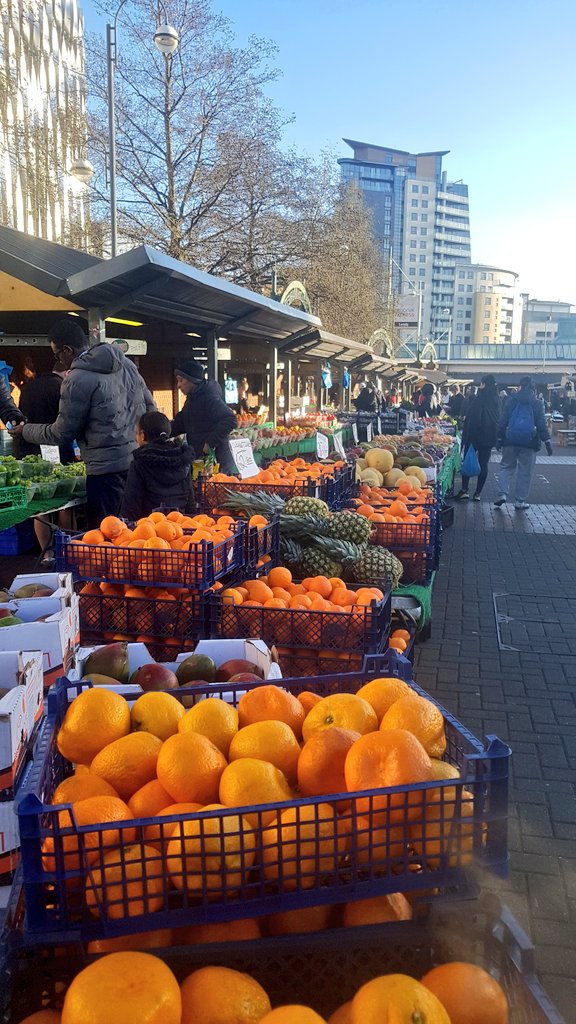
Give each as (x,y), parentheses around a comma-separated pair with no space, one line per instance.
(536,625)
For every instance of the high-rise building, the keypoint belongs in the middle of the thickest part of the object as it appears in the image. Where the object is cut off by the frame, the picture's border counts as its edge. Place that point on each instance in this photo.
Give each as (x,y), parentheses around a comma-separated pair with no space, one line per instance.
(485,309)
(421,221)
(542,318)
(42,118)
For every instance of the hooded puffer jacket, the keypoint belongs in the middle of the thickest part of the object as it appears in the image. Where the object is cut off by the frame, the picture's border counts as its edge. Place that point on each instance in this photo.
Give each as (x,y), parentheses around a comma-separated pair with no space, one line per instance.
(160,474)
(206,419)
(101,401)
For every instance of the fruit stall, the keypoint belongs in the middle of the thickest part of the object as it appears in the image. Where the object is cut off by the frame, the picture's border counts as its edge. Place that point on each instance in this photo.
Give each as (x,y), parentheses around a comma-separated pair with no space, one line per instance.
(233,802)
(34,487)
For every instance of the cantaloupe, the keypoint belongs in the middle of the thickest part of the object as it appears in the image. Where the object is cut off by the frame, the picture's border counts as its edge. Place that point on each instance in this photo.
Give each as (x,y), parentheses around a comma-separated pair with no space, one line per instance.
(372,477)
(417,472)
(380,459)
(394,477)
(362,464)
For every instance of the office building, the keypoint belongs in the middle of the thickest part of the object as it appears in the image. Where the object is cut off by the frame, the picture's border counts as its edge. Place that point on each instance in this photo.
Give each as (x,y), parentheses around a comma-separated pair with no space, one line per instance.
(42,118)
(542,320)
(485,309)
(421,221)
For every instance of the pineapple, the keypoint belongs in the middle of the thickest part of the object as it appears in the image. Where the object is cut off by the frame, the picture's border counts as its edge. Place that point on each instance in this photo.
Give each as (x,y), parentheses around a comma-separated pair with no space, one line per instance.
(316,563)
(349,526)
(290,551)
(377,565)
(339,550)
(303,528)
(307,507)
(253,503)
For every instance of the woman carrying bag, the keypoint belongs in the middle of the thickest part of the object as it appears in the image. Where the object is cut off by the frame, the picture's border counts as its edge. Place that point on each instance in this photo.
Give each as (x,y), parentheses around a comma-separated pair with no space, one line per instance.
(479,436)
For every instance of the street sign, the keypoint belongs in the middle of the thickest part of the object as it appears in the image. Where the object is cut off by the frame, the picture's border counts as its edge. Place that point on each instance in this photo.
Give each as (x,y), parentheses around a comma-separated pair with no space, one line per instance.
(243,456)
(322,446)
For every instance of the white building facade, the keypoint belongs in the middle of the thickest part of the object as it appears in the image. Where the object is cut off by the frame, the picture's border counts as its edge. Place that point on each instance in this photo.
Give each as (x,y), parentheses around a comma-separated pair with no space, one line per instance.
(42,118)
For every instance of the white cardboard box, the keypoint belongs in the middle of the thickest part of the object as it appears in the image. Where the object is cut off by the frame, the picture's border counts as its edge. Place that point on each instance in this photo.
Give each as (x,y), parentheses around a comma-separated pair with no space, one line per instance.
(20,709)
(57,637)
(60,583)
(9,837)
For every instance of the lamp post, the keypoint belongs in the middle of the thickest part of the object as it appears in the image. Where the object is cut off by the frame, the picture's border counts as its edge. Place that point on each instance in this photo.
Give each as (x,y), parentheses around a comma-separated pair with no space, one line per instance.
(166,39)
(448,313)
(416,291)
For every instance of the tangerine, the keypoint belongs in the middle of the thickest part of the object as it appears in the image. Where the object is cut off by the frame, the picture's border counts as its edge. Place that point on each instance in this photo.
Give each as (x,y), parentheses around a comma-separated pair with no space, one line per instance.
(127,882)
(420,717)
(393,757)
(124,987)
(149,800)
(345,710)
(249,781)
(270,741)
(95,718)
(211,856)
(381,693)
(307,843)
(391,906)
(292,1013)
(468,994)
(244,929)
(220,995)
(156,713)
(396,996)
(80,787)
(112,527)
(190,767)
(213,718)
(295,922)
(322,759)
(128,763)
(271,703)
(279,577)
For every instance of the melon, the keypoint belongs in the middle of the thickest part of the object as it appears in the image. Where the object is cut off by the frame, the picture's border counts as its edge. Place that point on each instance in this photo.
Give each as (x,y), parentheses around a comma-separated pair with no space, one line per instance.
(417,472)
(394,477)
(372,477)
(380,459)
(362,464)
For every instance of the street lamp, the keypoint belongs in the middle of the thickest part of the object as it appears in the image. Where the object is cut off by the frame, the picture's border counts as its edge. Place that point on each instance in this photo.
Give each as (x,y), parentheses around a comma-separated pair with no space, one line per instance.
(416,291)
(82,170)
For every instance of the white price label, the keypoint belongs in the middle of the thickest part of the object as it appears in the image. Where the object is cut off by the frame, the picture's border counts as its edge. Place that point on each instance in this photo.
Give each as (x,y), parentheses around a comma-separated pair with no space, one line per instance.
(355,433)
(369,431)
(243,456)
(50,452)
(339,444)
(322,446)
(379,425)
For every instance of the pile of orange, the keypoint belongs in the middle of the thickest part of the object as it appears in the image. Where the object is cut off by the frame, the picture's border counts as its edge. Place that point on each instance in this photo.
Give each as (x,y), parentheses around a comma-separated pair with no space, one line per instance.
(396,507)
(157,760)
(129,986)
(399,640)
(281,471)
(114,611)
(315,593)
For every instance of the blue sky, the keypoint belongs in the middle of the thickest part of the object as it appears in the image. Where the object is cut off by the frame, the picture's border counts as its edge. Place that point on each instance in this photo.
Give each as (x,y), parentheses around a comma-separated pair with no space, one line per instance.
(493,82)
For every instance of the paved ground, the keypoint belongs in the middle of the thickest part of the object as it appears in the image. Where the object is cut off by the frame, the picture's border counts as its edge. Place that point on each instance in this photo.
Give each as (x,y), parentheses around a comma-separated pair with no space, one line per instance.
(502,657)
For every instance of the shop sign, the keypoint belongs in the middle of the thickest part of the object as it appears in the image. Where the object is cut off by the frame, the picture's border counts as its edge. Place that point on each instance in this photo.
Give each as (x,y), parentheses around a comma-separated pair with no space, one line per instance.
(243,456)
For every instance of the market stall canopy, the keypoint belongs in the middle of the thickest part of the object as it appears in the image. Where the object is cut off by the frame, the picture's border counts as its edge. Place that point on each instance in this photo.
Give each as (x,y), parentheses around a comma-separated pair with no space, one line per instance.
(145,283)
(320,344)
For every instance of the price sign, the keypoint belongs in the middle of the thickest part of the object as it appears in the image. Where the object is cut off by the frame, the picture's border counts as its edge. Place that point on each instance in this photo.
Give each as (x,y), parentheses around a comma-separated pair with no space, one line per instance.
(355,433)
(369,431)
(243,456)
(379,425)
(50,452)
(322,446)
(339,444)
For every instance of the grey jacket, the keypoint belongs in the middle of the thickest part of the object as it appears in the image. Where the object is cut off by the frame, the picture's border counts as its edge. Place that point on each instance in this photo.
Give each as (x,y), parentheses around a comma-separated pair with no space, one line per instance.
(101,401)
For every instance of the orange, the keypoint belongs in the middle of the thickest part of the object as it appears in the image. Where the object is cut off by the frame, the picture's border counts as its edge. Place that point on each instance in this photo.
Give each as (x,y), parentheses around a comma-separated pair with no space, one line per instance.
(147,801)
(167,531)
(377,910)
(128,763)
(279,577)
(269,702)
(220,995)
(43,1017)
(123,539)
(295,922)
(143,531)
(213,718)
(244,929)
(124,987)
(250,781)
(127,882)
(258,590)
(138,940)
(345,710)
(94,719)
(468,994)
(293,1013)
(157,713)
(336,583)
(307,843)
(343,1015)
(156,517)
(231,596)
(420,717)
(158,835)
(93,537)
(320,585)
(189,767)
(321,762)
(268,741)
(397,644)
(447,831)
(401,634)
(80,787)
(275,602)
(390,758)
(300,601)
(95,810)
(396,997)
(377,845)
(308,699)
(343,598)
(211,856)
(381,693)
(112,527)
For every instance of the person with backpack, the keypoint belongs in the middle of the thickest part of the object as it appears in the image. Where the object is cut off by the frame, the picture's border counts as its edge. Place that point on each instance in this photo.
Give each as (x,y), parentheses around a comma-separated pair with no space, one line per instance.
(521,430)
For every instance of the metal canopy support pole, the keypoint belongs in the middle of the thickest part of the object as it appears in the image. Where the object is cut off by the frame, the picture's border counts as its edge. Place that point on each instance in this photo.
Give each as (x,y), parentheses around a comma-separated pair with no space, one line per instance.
(212,352)
(111,62)
(288,383)
(273,378)
(96,327)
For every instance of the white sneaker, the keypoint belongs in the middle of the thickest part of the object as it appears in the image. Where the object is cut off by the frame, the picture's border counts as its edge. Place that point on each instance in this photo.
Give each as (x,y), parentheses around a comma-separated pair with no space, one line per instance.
(521,506)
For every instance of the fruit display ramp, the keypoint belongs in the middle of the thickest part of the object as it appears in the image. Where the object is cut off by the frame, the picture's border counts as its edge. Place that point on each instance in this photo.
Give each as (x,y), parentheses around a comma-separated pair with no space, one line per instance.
(321,970)
(361,843)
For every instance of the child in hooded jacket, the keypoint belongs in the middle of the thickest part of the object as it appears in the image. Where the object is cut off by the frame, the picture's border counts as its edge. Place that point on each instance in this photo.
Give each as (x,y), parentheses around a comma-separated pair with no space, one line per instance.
(160,473)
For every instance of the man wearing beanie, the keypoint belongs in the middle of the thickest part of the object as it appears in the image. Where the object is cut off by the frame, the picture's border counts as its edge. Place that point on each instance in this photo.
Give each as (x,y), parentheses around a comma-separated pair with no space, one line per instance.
(205,418)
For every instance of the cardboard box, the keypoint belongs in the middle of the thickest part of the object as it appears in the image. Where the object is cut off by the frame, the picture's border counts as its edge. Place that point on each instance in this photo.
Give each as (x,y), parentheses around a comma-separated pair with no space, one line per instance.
(20,711)
(57,637)
(9,838)
(60,583)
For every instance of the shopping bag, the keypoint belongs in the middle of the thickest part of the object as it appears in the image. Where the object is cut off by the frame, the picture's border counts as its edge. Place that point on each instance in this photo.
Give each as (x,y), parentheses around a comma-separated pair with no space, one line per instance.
(470,464)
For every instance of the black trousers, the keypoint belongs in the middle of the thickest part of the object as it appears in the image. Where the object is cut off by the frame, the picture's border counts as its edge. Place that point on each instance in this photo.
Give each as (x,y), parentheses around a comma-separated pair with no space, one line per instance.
(484,454)
(104,496)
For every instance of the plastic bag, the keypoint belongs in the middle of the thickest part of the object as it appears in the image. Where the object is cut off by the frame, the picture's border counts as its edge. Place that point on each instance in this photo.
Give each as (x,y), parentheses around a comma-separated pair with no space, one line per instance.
(470,464)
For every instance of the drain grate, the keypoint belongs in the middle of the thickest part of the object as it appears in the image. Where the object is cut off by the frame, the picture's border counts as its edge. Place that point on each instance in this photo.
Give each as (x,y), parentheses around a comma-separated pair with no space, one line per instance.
(536,625)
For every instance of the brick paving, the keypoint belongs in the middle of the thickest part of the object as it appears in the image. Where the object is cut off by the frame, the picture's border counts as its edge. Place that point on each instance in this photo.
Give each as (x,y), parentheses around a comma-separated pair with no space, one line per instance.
(502,657)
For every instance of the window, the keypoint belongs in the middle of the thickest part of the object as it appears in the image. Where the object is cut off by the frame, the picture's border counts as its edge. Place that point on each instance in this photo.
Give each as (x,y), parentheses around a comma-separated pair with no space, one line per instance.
(412,245)
(412,272)
(422,272)
(488,302)
(468,314)
(486,327)
(470,275)
(482,276)
(413,231)
(423,216)
(468,302)
(412,258)
(461,274)
(425,204)
(422,259)
(414,216)
(485,339)
(460,287)
(423,245)
(423,231)
(469,288)
(482,287)
(414,202)
(460,302)
(425,189)
(414,188)
(458,337)
(460,313)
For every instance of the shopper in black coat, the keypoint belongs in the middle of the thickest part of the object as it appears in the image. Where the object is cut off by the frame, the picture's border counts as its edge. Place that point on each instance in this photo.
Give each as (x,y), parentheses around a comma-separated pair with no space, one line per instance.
(39,403)
(160,472)
(205,419)
(481,431)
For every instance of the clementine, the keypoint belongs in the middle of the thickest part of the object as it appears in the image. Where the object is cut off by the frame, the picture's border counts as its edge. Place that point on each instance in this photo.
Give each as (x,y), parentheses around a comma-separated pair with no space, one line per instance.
(128,763)
(190,767)
(126,882)
(306,843)
(124,987)
(395,996)
(220,995)
(269,702)
(249,781)
(322,759)
(269,741)
(211,856)
(344,710)
(468,994)
(420,717)
(381,693)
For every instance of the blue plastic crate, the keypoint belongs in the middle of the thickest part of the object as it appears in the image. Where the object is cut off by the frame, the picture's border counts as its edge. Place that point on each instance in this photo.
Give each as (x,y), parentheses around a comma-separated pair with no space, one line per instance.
(218,494)
(197,568)
(19,539)
(178,623)
(353,863)
(263,541)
